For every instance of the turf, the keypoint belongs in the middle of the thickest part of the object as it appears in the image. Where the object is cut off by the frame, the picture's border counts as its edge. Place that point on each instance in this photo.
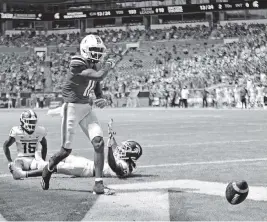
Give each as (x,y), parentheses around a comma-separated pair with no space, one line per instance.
(168,136)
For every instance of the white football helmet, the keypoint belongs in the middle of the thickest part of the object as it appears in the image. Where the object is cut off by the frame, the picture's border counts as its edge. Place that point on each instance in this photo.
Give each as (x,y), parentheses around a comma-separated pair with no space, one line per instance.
(92,48)
(129,149)
(28,121)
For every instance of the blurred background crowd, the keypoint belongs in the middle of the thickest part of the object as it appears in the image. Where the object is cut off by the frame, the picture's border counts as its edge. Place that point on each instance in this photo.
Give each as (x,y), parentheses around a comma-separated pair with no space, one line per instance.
(174,72)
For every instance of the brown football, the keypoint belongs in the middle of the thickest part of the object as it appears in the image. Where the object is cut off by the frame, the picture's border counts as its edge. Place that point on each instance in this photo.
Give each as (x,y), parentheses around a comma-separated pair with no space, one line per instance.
(236,192)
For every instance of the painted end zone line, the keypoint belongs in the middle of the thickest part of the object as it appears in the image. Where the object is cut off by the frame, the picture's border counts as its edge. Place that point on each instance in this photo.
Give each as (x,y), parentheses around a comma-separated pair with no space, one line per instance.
(137,206)
(205,162)
(188,164)
(256,193)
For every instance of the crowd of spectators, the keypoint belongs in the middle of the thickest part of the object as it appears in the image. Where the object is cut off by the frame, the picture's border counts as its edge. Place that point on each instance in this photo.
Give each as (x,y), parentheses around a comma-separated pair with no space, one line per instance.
(232,30)
(31,39)
(232,64)
(163,69)
(21,72)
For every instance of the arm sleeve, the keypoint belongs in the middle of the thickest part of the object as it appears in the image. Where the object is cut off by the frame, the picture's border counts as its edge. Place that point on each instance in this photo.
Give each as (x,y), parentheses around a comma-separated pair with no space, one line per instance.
(98,90)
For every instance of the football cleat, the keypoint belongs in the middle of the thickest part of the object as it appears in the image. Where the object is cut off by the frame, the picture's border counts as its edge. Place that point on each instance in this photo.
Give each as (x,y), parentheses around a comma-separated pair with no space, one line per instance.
(16,172)
(99,189)
(45,178)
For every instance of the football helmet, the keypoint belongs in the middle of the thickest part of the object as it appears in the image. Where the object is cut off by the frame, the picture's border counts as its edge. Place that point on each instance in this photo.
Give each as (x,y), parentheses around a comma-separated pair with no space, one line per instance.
(128,150)
(92,48)
(28,121)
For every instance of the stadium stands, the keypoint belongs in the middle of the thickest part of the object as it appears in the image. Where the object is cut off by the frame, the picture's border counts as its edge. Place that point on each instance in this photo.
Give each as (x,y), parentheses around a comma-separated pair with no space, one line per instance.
(164,59)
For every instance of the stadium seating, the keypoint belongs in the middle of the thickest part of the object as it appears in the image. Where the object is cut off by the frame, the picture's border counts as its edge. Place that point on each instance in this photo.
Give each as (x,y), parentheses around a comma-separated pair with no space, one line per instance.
(174,57)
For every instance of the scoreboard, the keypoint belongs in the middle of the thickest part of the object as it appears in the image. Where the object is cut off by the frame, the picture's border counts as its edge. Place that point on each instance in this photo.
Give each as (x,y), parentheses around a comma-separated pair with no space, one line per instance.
(176,9)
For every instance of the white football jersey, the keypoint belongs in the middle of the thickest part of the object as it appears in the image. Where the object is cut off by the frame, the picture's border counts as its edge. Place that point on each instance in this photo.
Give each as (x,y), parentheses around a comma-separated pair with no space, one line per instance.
(27,144)
(125,168)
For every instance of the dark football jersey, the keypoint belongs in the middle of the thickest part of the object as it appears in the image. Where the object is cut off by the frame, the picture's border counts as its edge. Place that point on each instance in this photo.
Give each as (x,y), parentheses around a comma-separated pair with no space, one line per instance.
(76,88)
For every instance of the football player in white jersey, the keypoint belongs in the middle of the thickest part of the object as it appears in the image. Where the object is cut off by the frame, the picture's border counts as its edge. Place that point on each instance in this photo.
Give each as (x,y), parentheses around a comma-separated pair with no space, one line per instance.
(121,160)
(28,137)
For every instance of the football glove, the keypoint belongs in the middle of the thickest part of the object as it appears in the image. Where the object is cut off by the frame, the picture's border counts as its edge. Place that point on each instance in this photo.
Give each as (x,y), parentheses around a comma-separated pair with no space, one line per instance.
(111,133)
(10,167)
(112,62)
(101,103)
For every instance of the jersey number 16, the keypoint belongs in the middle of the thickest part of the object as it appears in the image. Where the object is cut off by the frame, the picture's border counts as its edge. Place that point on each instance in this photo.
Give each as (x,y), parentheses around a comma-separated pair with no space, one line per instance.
(29,147)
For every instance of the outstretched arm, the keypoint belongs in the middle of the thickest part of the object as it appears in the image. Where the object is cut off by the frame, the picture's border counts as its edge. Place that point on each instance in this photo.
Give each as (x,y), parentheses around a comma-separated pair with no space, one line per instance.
(112,162)
(6,146)
(112,145)
(92,74)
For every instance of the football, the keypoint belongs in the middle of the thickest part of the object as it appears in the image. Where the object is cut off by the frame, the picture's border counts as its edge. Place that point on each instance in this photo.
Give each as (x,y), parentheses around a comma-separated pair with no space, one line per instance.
(236,192)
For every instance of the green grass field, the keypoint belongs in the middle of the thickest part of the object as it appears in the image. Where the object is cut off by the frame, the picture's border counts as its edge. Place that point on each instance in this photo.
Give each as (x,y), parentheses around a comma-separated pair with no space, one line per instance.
(189,156)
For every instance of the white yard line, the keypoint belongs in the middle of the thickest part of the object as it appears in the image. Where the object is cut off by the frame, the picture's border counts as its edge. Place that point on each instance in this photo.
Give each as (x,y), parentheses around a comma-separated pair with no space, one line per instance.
(215,162)
(151,146)
(203,143)
(136,206)
(143,203)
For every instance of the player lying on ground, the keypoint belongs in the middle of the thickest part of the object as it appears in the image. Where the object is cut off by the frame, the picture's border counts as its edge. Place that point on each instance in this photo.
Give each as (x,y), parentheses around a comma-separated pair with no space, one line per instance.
(121,159)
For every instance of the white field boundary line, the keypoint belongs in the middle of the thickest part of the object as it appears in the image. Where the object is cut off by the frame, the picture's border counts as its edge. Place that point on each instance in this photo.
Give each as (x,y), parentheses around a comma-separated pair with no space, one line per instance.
(216,162)
(164,134)
(149,146)
(150,108)
(186,125)
(136,206)
(192,144)
(256,193)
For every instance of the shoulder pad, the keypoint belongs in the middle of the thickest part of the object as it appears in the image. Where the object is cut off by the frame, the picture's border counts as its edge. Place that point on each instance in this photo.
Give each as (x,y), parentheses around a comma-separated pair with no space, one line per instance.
(78,61)
(14,131)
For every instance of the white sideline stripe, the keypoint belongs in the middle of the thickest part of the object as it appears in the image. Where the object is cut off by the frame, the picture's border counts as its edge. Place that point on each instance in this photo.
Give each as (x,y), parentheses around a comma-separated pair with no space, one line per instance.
(204,163)
(204,143)
(148,146)
(206,132)
(5,175)
(256,193)
(216,162)
(139,206)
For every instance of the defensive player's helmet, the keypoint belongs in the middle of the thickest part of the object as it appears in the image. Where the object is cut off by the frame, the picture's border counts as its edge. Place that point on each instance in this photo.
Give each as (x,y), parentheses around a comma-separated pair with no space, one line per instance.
(129,150)
(28,121)
(92,48)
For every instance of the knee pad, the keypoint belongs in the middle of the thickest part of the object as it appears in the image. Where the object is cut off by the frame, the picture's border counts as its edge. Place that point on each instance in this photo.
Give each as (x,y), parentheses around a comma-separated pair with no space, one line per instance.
(19,163)
(94,130)
(98,143)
